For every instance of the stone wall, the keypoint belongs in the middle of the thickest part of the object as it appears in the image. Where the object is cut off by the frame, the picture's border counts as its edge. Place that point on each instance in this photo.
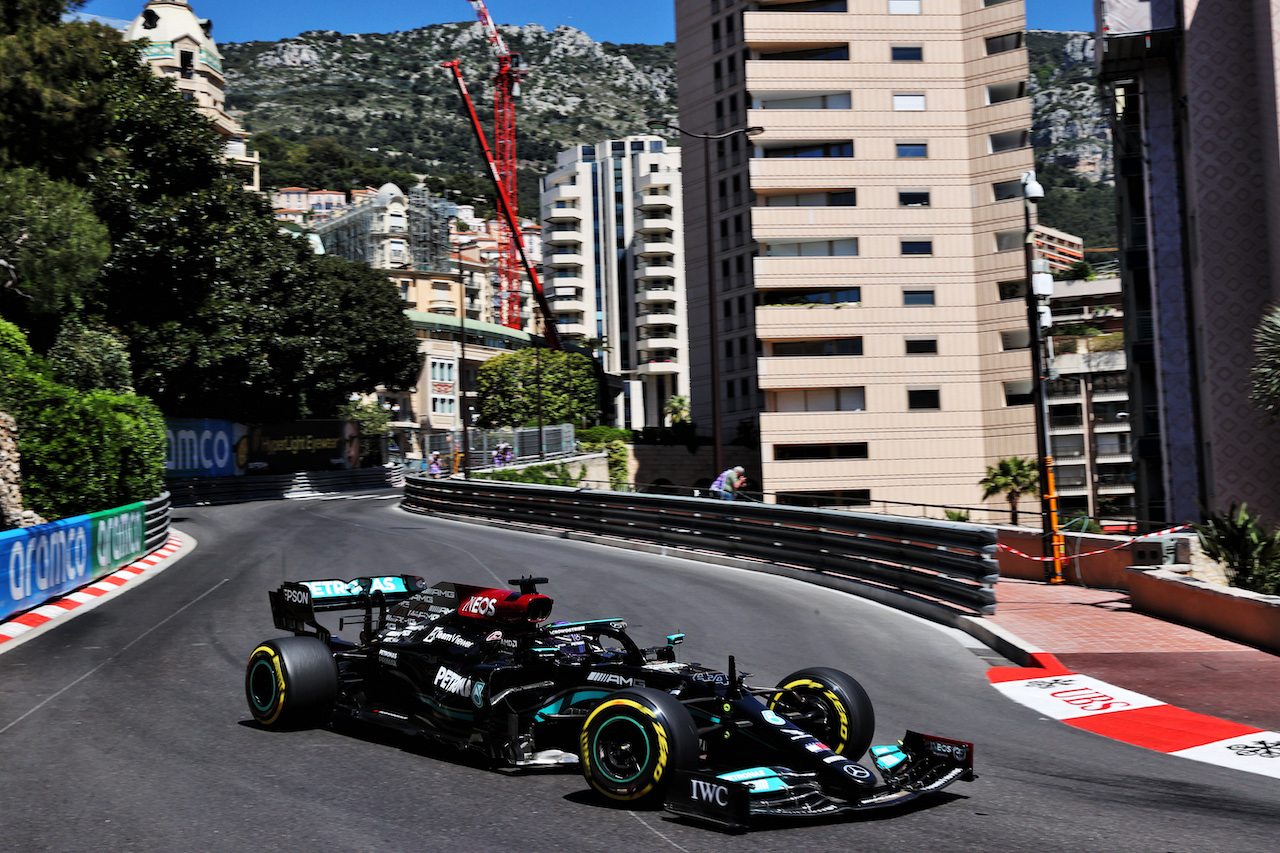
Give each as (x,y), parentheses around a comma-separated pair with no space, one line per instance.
(11,512)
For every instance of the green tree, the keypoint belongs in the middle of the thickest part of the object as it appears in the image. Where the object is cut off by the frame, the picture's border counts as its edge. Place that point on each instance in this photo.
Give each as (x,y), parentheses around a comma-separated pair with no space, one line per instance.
(1264,391)
(51,243)
(81,451)
(88,358)
(511,386)
(1246,547)
(1012,477)
(677,408)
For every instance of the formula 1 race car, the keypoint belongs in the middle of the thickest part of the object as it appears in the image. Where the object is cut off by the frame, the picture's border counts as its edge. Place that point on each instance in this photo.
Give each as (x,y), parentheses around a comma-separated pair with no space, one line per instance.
(478,668)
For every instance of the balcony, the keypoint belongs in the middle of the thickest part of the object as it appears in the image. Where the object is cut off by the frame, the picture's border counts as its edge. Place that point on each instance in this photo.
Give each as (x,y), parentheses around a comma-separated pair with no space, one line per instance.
(558,236)
(655,198)
(657,247)
(658,367)
(562,192)
(553,213)
(653,293)
(649,318)
(656,271)
(572,329)
(658,337)
(564,259)
(662,223)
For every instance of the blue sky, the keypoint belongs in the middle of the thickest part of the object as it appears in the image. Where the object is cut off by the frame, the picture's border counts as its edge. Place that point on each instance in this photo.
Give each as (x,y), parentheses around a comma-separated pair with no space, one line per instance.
(649,21)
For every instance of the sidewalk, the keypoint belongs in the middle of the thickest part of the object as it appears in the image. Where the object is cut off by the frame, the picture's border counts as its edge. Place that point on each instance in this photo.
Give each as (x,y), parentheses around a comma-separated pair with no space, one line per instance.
(1095,633)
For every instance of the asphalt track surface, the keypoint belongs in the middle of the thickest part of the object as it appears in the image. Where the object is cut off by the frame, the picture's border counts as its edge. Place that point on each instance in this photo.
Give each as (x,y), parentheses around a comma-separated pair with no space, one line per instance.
(125,728)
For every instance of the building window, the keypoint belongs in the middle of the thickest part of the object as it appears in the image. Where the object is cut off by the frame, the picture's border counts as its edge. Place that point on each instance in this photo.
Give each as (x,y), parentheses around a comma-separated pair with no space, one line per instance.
(833,346)
(832,497)
(908,102)
(912,149)
(917,247)
(833,101)
(917,297)
(838,198)
(1066,446)
(998,93)
(810,6)
(1007,241)
(803,452)
(1007,190)
(847,247)
(906,53)
(817,149)
(1018,393)
(1012,289)
(904,7)
(811,297)
(1004,43)
(1009,140)
(1111,443)
(1015,339)
(832,53)
(924,398)
(922,346)
(913,198)
(820,400)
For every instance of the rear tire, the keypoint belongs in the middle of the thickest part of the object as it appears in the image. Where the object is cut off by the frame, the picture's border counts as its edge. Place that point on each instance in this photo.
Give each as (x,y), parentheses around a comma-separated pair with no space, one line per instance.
(633,741)
(830,705)
(291,682)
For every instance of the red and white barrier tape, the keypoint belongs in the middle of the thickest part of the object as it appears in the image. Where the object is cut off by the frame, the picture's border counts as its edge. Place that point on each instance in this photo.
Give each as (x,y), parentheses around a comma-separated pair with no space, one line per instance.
(1001,546)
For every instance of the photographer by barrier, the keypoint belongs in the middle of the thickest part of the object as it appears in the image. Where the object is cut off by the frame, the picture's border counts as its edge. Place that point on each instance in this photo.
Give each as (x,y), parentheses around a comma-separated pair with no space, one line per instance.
(946,561)
(49,560)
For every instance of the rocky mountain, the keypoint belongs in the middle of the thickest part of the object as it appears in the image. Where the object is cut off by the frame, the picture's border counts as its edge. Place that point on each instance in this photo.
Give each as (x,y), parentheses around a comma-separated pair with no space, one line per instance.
(388,91)
(1068,127)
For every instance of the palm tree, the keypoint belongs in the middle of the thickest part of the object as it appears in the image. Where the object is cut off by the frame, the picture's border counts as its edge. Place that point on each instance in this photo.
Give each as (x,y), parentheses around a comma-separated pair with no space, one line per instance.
(1013,477)
(677,408)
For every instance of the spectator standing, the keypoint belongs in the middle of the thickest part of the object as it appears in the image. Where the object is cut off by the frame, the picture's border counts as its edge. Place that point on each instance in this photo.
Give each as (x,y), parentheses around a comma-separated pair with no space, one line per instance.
(726,486)
(433,466)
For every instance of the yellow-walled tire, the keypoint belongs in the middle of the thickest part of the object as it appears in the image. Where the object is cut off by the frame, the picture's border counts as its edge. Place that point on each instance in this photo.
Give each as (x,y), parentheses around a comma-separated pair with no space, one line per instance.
(291,682)
(830,705)
(633,741)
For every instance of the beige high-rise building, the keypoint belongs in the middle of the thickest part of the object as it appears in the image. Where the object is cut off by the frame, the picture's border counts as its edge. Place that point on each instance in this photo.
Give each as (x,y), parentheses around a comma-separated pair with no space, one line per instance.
(866,302)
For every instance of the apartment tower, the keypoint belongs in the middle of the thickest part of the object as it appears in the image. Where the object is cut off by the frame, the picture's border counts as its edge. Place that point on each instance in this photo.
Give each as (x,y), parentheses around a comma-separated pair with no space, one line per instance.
(861,295)
(614,267)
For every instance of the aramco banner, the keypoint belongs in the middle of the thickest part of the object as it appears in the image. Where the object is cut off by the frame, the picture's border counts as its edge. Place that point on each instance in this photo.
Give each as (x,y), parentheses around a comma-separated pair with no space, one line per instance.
(50,560)
(204,448)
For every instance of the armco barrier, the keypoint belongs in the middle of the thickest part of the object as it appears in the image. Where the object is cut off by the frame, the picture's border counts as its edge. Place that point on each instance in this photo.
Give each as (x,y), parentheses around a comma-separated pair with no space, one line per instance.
(266,487)
(50,560)
(947,561)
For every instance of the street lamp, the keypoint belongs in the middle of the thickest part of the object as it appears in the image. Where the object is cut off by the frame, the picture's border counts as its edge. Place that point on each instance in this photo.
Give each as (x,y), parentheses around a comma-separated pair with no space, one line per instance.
(712,308)
(1040,317)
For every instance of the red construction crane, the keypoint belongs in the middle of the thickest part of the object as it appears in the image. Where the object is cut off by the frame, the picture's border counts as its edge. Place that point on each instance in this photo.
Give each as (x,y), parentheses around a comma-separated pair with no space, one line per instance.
(506,204)
(506,88)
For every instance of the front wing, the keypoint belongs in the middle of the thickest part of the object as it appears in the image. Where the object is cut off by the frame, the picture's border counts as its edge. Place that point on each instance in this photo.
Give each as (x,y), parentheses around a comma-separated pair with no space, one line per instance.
(918,764)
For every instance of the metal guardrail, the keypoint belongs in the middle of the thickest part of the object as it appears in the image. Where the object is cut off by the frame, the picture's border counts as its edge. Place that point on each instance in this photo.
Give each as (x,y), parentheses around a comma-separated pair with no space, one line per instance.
(158,516)
(267,487)
(953,562)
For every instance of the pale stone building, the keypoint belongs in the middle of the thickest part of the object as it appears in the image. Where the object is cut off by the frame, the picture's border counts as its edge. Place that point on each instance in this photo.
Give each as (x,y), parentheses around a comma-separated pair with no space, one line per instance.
(183,51)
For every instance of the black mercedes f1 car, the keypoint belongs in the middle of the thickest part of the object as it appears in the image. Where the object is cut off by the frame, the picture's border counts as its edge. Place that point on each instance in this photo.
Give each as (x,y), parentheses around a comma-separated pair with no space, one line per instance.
(484,670)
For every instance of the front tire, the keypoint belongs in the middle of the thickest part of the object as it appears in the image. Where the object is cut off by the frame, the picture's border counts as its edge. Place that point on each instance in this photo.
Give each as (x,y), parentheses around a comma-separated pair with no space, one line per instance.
(830,705)
(291,682)
(633,740)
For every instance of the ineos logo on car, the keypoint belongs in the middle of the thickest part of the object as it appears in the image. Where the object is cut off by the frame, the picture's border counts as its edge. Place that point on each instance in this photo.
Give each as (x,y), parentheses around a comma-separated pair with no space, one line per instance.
(480,605)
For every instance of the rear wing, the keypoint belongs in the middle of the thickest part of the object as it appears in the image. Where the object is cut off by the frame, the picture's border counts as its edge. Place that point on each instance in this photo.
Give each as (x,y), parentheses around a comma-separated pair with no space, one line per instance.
(295,604)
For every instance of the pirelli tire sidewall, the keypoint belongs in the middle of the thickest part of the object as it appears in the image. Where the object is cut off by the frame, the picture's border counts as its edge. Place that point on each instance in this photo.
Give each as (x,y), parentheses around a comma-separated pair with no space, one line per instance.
(851,719)
(662,737)
(291,682)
